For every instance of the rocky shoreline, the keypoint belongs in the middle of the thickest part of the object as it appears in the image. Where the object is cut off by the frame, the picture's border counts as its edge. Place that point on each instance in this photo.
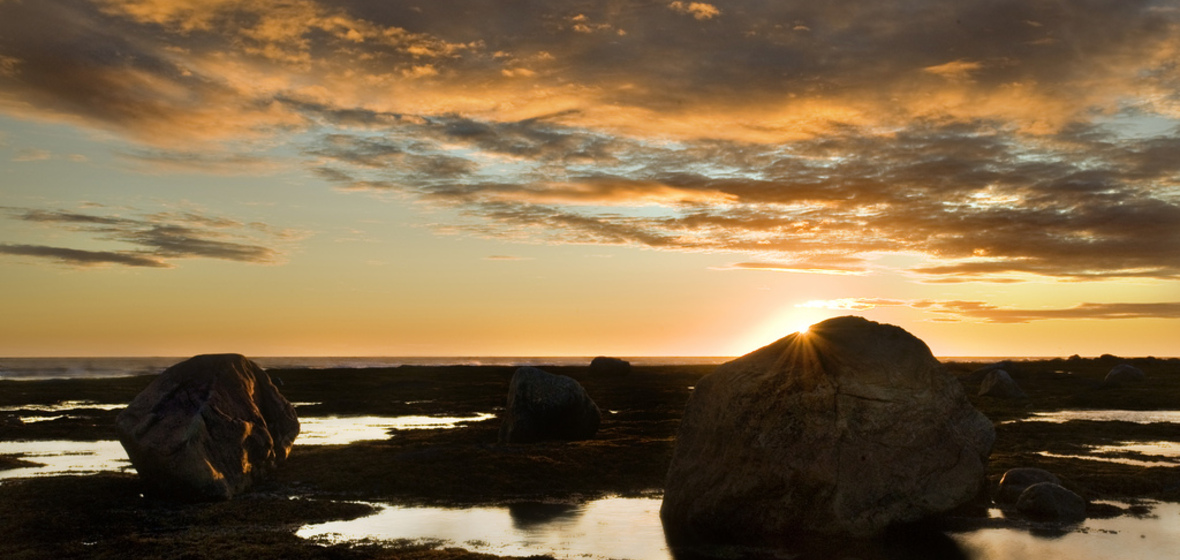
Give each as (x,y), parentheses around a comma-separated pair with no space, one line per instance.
(105,516)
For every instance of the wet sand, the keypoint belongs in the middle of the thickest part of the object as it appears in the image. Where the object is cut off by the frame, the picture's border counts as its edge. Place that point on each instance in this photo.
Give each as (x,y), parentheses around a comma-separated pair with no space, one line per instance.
(104,516)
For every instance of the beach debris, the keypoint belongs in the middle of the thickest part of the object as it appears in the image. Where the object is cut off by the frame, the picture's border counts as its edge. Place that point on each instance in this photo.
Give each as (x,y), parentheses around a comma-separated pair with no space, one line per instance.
(208,428)
(843,430)
(544,406)
(610,366)
(1015,481)
(1051,502)
(997,383)
(1124,373)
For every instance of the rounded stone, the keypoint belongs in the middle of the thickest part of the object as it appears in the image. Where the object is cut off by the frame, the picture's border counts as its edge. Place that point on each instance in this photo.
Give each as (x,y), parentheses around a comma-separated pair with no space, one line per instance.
(843,430)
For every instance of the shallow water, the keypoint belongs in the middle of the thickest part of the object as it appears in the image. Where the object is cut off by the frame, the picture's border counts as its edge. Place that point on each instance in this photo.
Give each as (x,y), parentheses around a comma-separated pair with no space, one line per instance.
(609,528)
(1154,453)
(84,457)
(629,528)
(1135,416)
(342,430)
(65,457)
(62,407)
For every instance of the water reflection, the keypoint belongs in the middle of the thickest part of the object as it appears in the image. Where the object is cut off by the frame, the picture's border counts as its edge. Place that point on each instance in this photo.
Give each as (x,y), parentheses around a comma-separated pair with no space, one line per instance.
(342,430)
(64,457)
(629,528)
(530,515)
(608,528)
(63,406)
(1134,416)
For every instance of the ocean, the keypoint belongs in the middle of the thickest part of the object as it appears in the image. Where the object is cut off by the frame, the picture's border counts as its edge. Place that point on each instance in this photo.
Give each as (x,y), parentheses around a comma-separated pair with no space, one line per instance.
(67,368)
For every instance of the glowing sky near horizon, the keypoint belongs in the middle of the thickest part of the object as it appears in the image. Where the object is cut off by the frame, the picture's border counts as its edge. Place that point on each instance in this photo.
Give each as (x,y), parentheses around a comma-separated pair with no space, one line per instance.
(634,177)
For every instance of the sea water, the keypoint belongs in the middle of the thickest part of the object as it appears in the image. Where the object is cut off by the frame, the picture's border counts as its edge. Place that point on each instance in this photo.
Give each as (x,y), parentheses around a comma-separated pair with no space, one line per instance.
(66,368)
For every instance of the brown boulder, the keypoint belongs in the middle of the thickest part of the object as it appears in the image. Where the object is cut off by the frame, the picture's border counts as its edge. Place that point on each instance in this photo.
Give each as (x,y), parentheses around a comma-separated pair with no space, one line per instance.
(843,430)
(207,428)
(544,406)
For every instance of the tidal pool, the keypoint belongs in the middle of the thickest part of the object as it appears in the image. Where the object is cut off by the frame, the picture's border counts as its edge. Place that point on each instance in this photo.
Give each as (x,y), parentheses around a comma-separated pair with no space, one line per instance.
(1155,453)
(342,430)
(63,406)
(629,528)
(65,457)
(1135,416)
(85,457)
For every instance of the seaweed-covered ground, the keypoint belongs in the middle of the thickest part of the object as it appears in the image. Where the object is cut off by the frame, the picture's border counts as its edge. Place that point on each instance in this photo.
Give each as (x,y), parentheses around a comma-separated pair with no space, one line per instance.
(104,515)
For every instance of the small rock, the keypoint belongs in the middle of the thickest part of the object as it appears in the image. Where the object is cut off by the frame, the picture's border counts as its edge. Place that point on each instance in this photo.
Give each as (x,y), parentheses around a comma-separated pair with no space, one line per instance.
(1015,481)
(1124,373)
(1051,502)
(997,383)
(610,366)
(543,406)
(974,377)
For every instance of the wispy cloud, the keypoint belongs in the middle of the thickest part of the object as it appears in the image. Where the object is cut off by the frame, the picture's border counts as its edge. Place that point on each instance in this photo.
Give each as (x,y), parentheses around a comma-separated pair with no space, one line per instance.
(157,238)
(32,154)
(80,257)
(979,310)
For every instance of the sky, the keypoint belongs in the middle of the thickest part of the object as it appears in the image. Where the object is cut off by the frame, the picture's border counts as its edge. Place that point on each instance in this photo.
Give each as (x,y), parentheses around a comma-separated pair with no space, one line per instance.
(560,177)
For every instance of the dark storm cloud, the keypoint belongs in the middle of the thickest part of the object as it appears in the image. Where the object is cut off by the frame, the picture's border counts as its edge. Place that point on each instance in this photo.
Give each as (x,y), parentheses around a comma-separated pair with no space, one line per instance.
(989,140)
(158,238)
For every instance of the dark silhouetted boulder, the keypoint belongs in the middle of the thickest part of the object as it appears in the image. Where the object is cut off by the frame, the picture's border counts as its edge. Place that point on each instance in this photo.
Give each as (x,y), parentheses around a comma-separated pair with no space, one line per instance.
(543,406)
(1052,502)
(208,428)
(974,377)
(610,366)
(1015,481)
(843,430)
(1124,373)
(997,383)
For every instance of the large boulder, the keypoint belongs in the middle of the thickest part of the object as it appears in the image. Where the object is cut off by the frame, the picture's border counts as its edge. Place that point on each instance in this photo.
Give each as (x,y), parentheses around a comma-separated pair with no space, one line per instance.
(1015,481)
(997,383)
(843,430)
(1124,373)
(1051,502)
(208,428)
(543,406)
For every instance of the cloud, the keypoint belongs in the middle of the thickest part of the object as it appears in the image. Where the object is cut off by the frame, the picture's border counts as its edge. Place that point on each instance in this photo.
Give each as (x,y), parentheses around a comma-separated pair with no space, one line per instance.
(698,10)
(158,238)
(982,141)
(987,312)
(506,258)
(832,266)
(32,154)
(79,257)
(955,69)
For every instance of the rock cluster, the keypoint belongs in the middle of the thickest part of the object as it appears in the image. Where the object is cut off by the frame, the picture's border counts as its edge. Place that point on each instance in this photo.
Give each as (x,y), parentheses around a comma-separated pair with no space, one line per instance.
(208,428)
(843,430)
